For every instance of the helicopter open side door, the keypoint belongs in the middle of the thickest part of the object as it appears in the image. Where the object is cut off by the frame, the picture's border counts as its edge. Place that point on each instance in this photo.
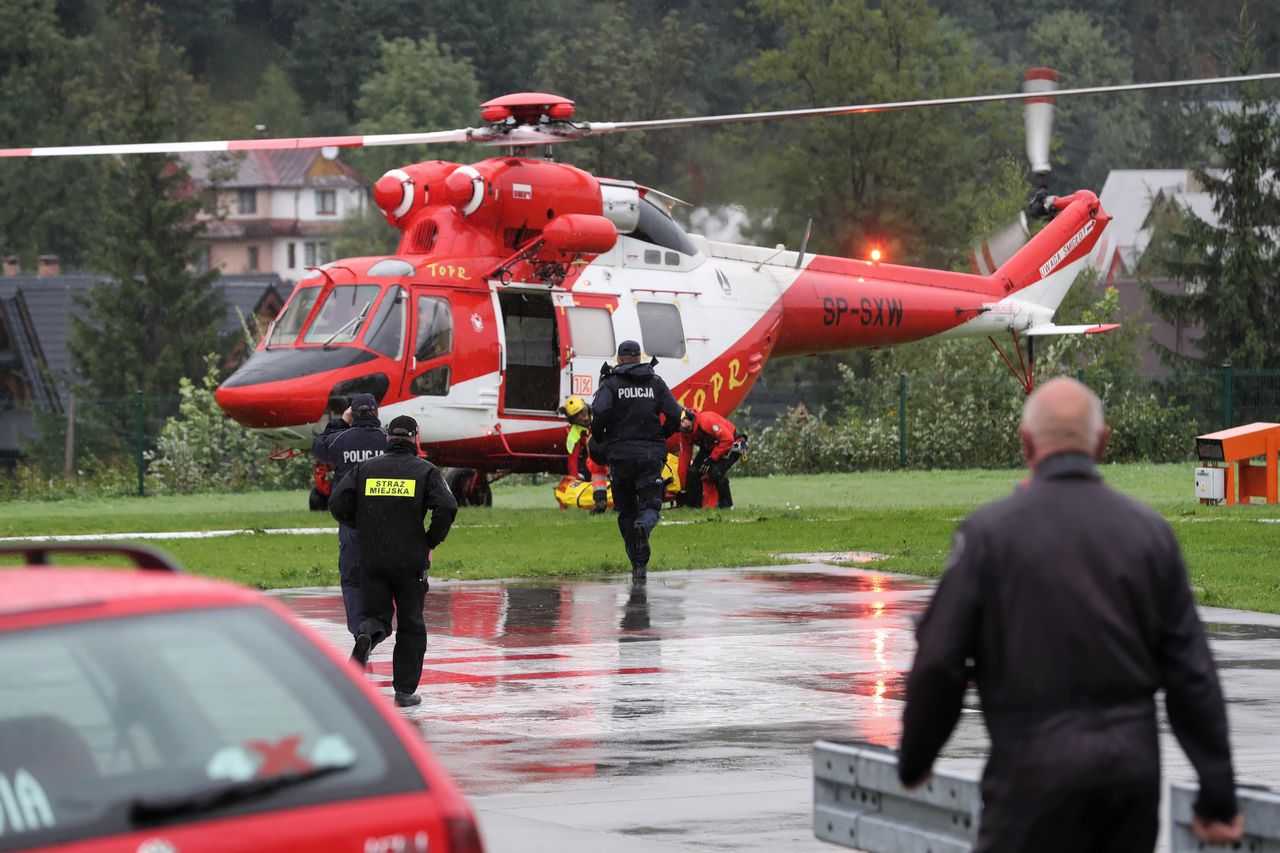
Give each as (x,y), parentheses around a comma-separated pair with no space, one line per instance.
(533,367)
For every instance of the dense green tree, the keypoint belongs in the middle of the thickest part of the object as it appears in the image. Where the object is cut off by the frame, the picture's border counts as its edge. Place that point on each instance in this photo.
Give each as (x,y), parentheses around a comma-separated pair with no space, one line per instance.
(337,46)
(1230,271)
(152,324)
(277,105)
(1097,134)
(631,70)
(199,27)
(418,85)
(50,203)
(913,182)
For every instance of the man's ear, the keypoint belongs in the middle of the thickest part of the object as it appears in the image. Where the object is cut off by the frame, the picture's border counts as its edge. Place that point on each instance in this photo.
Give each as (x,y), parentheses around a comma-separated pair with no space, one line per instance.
(1103,437)
(1028,446)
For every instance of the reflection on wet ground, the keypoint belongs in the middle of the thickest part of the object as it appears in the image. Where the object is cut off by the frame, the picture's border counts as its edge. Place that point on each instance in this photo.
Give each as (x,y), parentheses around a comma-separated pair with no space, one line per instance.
(593,714)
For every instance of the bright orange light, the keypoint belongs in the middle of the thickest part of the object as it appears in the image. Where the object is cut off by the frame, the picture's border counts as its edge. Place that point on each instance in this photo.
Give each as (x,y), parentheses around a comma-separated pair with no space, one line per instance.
(875,255)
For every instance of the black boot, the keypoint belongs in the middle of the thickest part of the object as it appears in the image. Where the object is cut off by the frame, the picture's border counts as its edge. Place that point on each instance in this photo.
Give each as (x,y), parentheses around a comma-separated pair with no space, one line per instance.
(640,558)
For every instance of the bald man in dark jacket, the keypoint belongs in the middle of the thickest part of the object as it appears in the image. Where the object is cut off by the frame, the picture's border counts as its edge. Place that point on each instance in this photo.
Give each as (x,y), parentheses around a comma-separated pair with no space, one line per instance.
(1072,602)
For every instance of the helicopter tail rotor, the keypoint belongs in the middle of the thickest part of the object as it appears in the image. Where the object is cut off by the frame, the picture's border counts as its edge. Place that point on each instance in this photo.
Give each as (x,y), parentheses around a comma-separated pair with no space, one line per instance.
(1038,84)
(1038,119)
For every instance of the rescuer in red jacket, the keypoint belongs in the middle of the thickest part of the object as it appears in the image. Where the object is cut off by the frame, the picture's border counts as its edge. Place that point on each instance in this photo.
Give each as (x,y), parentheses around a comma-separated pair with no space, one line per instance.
(719,446)
(578,413)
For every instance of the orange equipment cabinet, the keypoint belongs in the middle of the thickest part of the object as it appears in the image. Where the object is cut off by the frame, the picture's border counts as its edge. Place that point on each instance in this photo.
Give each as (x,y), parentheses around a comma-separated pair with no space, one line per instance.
(1239,445)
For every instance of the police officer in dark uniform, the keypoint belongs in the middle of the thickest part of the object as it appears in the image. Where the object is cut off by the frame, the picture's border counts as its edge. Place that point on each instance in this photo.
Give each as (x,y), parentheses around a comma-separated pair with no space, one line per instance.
(629,410)
(1073,604)
(386,499)
(346,442)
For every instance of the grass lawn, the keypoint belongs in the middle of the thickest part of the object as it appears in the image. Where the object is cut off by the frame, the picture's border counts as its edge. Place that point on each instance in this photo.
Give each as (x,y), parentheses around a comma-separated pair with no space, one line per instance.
(1231,552)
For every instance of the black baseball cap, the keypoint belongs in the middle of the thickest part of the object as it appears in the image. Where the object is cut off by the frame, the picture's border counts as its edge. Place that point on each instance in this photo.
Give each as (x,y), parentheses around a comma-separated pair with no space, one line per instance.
(363,401)
(628,348)
(402,426)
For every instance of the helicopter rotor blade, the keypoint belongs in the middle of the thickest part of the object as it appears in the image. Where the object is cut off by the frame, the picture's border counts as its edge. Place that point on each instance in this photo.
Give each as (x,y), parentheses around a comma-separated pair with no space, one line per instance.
(888,106)
(564,131)
(368,141)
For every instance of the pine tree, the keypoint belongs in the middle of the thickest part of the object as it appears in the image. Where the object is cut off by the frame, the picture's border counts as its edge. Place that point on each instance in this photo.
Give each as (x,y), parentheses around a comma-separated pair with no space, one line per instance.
(1229,273)
(154,321)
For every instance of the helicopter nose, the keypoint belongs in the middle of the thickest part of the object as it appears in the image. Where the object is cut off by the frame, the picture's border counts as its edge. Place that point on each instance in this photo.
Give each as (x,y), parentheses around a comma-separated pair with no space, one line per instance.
(269,404)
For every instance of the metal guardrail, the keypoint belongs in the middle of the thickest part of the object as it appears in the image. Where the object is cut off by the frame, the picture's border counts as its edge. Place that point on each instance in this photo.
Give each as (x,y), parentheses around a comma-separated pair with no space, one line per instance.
(859,803)
(1261,809)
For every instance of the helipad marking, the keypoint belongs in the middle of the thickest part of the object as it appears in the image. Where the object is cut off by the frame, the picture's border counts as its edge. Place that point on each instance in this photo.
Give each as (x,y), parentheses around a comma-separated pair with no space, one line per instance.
(171,534)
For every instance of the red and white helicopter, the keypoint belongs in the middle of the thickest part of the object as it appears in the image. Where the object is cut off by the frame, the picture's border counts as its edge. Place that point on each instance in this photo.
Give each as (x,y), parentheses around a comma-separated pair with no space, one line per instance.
(516,277)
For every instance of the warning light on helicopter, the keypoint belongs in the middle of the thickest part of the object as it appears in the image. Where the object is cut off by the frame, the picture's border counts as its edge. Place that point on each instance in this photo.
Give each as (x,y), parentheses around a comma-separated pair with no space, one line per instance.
(875,255)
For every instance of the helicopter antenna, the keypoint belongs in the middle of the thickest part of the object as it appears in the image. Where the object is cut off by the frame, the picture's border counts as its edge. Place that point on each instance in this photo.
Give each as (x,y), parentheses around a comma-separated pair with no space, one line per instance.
(804,244)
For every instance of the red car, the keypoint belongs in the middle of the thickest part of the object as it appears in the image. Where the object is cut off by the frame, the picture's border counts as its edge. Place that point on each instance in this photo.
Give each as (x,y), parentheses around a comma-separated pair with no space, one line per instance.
(151,711)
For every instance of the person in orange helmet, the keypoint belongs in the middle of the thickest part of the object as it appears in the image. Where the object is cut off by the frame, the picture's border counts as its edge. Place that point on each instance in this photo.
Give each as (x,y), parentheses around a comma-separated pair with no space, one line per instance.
(719,445)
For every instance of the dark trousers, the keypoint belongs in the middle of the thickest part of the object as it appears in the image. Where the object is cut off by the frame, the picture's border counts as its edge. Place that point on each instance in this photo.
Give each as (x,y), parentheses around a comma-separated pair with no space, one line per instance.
(348,556)
(718,474)
(402,592)
(637,496)
(1105,819)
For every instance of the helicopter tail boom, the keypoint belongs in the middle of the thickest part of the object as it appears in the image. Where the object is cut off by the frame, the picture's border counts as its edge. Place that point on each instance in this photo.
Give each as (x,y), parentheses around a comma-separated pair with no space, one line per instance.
(839,303)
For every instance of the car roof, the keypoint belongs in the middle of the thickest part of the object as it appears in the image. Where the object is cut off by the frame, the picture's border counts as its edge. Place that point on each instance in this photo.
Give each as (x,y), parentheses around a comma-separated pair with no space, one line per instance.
(46,588)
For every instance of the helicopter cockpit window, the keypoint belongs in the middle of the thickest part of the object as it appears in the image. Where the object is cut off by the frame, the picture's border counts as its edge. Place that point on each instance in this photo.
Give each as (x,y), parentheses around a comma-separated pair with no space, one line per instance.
(342,314)
(661,329)
(591,331)
(386,332)
(657,227)
(431,383)
(434,335)
(289,323)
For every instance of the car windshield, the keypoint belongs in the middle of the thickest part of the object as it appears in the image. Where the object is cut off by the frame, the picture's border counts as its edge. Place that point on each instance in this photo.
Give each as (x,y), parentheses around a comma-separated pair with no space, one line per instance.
(113,725)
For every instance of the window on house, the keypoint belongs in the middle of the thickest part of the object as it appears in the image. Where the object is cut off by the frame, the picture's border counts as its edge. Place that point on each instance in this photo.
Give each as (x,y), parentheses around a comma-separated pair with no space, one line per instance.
(253,258)
(309,254)
(293,256)
(247,201)
(326,202)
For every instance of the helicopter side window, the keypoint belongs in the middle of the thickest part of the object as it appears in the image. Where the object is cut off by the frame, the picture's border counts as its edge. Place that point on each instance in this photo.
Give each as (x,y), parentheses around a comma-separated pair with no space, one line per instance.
(591,331)
(657,227)
(431,383)
(434,335)
(661,329)
(342,314)
(289,323)
(386,332)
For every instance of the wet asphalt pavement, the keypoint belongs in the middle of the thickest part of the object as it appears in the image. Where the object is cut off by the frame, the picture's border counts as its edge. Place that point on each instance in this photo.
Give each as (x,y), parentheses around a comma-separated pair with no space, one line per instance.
(593,715)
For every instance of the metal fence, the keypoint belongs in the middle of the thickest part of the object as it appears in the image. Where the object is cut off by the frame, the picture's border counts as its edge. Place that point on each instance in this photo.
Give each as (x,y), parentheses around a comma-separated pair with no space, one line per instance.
(952,410)
(83,436)
(859,803)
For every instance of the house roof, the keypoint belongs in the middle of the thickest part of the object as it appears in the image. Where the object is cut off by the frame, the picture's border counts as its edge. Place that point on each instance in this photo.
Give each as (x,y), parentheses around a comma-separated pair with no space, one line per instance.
(50,303)
(282,168)
(1128,196)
